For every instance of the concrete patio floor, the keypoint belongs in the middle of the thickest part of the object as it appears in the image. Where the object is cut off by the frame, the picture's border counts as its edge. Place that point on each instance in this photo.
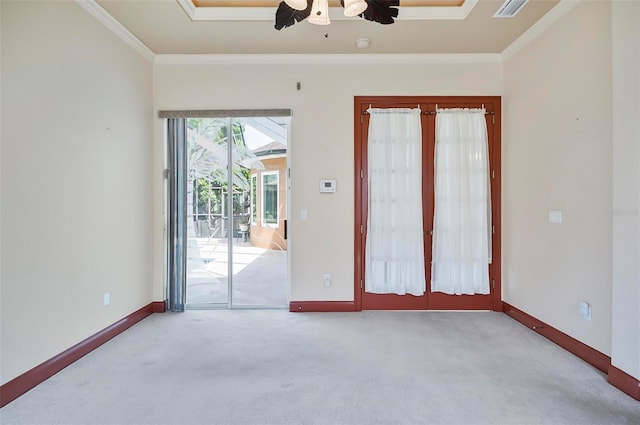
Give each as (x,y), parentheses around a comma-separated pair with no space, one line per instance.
(259,275)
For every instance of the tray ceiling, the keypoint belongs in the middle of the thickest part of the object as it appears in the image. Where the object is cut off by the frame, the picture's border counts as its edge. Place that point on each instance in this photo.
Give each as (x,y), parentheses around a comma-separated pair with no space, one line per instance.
(334,3)
(165,27)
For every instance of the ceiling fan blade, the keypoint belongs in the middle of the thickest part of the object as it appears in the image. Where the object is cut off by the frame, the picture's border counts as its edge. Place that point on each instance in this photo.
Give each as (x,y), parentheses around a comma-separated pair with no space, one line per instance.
(381,11)
(287,16)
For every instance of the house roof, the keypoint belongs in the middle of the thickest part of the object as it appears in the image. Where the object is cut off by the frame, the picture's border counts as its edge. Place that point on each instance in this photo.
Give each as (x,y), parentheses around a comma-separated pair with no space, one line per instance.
(273,148)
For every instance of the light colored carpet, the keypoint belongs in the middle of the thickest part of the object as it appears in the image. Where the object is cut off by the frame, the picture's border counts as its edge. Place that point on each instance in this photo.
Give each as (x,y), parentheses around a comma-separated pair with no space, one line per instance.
(275,367)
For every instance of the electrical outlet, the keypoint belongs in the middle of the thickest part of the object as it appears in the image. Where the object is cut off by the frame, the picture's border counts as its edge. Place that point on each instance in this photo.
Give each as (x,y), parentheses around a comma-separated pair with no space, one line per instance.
(106,299)
(555,216)
(585,310)
(327,280)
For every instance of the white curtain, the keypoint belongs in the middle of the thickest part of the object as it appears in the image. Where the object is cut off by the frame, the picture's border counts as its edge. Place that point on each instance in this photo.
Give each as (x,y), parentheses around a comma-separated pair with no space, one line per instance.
(462,219)
(394,262)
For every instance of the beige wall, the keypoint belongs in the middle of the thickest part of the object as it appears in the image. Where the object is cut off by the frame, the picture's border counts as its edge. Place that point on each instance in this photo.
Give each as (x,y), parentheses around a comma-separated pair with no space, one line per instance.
(321,142)
(76,198)
(626,187)
(557,154)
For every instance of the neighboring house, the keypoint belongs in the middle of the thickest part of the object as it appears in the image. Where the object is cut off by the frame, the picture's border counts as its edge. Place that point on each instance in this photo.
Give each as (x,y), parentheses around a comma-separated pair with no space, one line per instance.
(269,197)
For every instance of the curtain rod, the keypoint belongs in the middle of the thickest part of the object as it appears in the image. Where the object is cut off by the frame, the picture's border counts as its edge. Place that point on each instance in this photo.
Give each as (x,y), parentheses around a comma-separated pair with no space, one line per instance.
(434,112)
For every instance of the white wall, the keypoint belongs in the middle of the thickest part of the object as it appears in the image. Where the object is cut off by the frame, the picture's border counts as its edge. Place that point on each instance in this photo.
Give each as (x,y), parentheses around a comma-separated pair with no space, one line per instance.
(625,350)
(321,146)
(76,180)
(557,154)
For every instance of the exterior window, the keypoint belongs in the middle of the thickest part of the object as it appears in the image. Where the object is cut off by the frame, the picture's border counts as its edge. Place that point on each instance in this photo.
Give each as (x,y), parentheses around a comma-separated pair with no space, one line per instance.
(270,198)
(254,198)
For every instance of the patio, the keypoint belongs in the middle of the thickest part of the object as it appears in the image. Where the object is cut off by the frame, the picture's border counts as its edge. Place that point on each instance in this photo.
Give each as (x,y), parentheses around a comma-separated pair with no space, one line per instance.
(259,274)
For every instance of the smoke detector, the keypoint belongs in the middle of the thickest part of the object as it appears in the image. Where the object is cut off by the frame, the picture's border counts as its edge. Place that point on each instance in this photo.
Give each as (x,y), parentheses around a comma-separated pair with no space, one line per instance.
(362,43)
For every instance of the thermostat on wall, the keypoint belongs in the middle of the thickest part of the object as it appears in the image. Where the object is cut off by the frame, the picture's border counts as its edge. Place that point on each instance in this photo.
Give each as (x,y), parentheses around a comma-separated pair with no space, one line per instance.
(327,186)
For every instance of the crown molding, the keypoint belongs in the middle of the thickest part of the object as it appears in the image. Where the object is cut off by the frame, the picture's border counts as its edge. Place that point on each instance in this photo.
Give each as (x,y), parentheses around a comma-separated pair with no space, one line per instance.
(415,13)
(94,9)
(323,59)
(551,17)
(335,13)
(188,7)
(432,13)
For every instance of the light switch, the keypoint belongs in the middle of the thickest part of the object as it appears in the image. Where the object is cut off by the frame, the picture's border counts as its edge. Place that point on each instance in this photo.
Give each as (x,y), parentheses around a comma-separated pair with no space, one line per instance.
(555,216)
(304,214)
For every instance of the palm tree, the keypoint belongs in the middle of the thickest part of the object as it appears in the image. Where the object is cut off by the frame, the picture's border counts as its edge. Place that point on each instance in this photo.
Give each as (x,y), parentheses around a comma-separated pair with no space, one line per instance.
(208,143)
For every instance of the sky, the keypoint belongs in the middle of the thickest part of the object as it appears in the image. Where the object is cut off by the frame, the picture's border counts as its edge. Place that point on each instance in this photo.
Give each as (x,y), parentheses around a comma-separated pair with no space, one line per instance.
(254,138)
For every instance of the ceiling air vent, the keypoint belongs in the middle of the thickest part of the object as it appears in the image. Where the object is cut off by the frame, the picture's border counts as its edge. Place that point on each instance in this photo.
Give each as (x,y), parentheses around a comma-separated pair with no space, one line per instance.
(510,8)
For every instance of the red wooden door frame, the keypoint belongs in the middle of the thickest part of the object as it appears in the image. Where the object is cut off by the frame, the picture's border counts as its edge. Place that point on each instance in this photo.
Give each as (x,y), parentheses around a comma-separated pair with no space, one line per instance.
(432,301)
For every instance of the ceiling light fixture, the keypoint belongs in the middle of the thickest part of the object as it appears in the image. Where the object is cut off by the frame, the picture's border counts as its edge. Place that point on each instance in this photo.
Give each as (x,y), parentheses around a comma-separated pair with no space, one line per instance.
(317,11)
(354,7)
(297,4)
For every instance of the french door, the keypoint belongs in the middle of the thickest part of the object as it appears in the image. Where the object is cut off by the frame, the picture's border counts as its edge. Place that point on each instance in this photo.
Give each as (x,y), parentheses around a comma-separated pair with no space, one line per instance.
(228,203)
(428,105)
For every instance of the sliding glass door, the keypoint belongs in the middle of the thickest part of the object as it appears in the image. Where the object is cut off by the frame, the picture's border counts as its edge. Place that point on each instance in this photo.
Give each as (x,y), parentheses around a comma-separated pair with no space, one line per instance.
(207,206)
(228,245)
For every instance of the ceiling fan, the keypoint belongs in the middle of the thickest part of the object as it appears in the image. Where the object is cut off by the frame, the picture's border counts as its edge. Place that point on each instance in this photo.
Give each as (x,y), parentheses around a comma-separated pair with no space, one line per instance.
(291,11)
